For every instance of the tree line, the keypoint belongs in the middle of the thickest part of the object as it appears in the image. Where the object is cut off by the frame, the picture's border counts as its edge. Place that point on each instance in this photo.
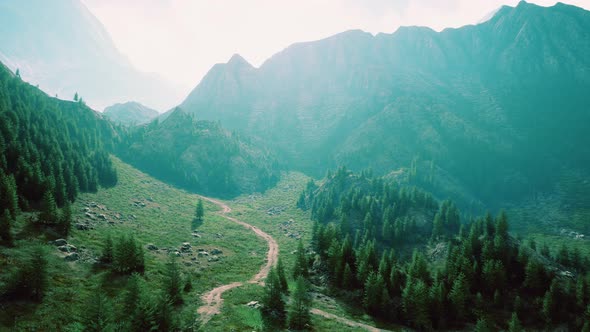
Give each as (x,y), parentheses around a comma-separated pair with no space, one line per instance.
(411,260)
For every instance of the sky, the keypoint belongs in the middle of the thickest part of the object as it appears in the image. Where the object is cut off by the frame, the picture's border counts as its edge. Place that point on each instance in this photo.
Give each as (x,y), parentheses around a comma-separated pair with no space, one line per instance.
(182,39)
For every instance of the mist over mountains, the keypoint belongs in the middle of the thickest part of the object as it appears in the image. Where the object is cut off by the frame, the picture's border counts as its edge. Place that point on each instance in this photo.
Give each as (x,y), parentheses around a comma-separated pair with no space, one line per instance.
(477,105)
(63,48)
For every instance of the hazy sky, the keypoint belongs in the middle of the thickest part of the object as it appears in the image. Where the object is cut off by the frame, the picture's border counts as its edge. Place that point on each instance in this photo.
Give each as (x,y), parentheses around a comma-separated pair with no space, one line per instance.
(182,39)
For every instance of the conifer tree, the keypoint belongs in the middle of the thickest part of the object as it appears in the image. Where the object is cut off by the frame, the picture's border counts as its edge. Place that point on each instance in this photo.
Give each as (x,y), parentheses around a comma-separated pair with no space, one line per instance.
(200,210)
(6,222)
(514,324)
(98,312)
(458,296)
(107,250)
(273,305)
(299,317)
(65,221)
(173,281)
(132,295)
(49,213)
(300,267)
(282,277)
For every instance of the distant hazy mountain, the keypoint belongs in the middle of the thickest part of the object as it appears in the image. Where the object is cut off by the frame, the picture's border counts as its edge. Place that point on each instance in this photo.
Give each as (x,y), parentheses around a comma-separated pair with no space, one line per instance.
(491,112)
(130,113)
(62,47)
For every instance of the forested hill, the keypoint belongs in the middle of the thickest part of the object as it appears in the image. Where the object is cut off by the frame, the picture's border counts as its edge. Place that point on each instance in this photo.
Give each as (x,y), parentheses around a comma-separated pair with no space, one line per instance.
(200,156)
(415,261)
(479,102)
(50,150)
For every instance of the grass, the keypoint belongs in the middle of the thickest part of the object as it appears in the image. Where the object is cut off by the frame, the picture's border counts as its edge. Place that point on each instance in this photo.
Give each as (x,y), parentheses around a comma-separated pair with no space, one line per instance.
(159,214)
(165,220)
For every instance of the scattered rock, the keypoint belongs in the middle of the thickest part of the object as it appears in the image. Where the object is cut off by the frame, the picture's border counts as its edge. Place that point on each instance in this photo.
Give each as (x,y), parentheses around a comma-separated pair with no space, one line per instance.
(177,254)
(102,216)
(67,248)
(275,210)
(216,252)
(118,216)
(185,247)
(188,263)
(89,215)
(193,259)
(202,253)
(197,235)
(72,257)
(213,259)
(81,227)
(151,246)
(60,242)
(150,199)
(219,235)
(253,304)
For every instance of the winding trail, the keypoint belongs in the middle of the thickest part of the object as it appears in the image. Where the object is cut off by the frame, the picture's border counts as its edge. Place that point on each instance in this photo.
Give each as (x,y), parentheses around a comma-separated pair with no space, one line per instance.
(212,300)
(345,321)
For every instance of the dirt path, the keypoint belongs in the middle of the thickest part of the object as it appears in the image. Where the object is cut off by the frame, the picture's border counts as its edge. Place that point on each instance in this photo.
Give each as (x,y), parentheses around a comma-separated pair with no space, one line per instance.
(345,320)
(212,300)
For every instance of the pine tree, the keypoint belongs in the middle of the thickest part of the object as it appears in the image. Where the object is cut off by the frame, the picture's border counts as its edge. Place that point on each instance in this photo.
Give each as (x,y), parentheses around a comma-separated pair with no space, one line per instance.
(300,267)
(514,324)
(173,281)
(65,222)
(282,277)
(98,312)
(299,317)
(107,250)
(273,305)
(200,210)
(76,97)
(483,325)
(458,296)
(49,213)
(347,277)
(132,296)
(6,222)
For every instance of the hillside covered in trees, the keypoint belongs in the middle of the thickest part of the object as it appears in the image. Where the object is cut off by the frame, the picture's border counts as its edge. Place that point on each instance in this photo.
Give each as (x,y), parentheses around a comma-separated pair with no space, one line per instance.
(50,151)
(199,156)
(413,260)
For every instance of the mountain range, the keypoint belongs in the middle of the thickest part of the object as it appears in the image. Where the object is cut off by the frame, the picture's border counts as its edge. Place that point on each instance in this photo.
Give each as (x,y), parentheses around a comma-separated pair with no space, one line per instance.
(63,48)
(473,109)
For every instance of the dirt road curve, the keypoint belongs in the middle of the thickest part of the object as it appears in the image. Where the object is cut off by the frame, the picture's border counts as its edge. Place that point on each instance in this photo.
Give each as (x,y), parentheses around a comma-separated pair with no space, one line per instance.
(212,300)
(345,321)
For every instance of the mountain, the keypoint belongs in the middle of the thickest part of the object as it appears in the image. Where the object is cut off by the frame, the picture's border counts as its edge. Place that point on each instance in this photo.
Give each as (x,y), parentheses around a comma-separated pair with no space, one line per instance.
(130,113)
(63,48)
(200,156)
(473,110)
(50,150)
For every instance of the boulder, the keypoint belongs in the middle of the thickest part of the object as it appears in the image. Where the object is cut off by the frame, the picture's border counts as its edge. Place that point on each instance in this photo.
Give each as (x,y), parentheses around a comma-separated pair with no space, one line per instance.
(253,304)
(213,259)
(202,253)
(81,227)
(67,248)
(185,247)
(216,252)
(72,257)
(60,242)
(151,246)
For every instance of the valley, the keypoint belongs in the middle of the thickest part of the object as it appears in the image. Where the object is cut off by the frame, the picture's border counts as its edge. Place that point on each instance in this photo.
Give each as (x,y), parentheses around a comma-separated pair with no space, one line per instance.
(415,180)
